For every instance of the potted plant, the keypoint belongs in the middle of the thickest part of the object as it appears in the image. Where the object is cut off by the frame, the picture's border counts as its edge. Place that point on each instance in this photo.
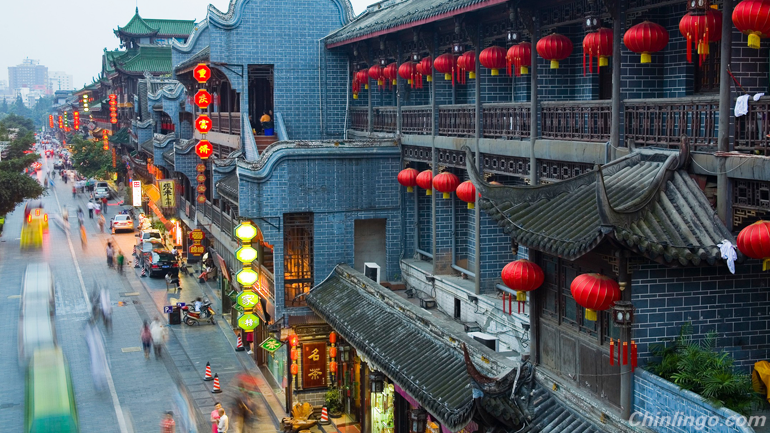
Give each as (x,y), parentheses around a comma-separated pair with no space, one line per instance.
(334,402)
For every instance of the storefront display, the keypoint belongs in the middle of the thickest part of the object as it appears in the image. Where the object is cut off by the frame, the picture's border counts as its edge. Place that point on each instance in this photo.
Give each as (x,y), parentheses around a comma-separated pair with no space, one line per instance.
(276,364)
(382,409)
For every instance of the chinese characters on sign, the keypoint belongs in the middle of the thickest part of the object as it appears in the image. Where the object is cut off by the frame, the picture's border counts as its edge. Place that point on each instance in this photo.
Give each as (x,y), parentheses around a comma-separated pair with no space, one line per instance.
(204,149)
(203,124)
(196,236)
(202,73)
(314,365)
(271,344)
(202,99)
(136,187)
(167,193)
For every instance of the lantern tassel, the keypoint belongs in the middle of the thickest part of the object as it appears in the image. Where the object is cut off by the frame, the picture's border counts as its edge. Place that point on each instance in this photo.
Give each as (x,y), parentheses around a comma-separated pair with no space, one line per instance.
(689,48)
(590,61)
(504,303)
(584,63)
(633,355)
(510,304)
(612,351)
(625,353)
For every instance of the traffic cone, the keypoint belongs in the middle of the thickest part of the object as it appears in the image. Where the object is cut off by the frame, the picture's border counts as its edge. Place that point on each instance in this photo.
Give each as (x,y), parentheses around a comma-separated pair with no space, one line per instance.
(239,347)
(324,416)
(216,389)
(207,376)
(136,263)
(144,272)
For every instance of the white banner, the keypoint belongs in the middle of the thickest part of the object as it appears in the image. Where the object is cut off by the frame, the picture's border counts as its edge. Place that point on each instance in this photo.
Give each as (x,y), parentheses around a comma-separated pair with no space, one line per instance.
(137,190)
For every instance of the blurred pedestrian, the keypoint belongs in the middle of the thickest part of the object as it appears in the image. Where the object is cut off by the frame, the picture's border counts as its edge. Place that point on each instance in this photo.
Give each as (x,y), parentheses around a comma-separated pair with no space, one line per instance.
(224,423)
(90,209)
(215,417)
(98,355)
(242,411)
(106,304)
(104,205)
(167,424)
(146,337)
(110,254)
(101,221)
(97,207)
(159,336)
(120,260)
(249,342)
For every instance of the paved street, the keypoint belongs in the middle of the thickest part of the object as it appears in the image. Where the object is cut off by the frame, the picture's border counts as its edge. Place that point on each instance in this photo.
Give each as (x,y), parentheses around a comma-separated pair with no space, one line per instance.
(139,390)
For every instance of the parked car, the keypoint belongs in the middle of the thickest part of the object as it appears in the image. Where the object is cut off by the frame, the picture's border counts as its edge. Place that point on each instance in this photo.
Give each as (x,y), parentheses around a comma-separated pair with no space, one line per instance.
(101,191)
(59,164)
(148,235)
(160,262)
(121,222)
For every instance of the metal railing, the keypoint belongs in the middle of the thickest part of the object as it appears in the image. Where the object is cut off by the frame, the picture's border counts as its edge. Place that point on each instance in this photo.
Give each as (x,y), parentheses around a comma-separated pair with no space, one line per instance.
(752,130)
(576,120)
(384,119)
(359,118)
(509,120)
(666,122)
(457,120)
(417,120)
(227,123)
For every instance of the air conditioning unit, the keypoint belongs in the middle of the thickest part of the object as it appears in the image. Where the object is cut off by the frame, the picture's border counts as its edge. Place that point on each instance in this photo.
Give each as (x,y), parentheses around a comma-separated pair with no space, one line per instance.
(488,340)
(372,271)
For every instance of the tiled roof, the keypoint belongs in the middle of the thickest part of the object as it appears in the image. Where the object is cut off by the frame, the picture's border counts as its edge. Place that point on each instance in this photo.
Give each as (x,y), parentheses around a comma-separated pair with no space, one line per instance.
(200,56)
(168,156)
(228,187)
(391,14)
(645,201)
(427,368)
(140,26)
(553,416)
(152,58)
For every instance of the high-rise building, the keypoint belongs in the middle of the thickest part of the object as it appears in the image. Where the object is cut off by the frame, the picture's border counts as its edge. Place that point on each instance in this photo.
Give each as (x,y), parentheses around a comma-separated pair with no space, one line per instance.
(59,80)
(30,73)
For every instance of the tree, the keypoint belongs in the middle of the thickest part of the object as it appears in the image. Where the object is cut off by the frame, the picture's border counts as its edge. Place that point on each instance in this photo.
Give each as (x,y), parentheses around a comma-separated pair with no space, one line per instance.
(90,159)
(15,186)
(4,107)
(16,121)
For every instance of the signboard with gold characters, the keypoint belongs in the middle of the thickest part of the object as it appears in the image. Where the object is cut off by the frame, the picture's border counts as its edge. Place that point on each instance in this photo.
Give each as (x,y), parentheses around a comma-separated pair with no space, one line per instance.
(314,365)
(167,193)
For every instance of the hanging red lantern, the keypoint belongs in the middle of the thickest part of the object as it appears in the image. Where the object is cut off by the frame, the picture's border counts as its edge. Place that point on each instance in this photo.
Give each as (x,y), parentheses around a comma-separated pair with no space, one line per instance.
(333,366)
(594,292)
(522,276)
(554,47)
(425,181)
(295,369)
(754,242)
(294,354)
(376,73)
(466,192)
(332,337)
(294,340)
(425,67)
(391,73)
(446,183)
(466,63)
(332,352)
(408,178)
(356,87)
(519,58)
(751,17)
(701,29)
(408,71)
(597,44)
(493,58)
(447,65)
(645,38)
(362,77)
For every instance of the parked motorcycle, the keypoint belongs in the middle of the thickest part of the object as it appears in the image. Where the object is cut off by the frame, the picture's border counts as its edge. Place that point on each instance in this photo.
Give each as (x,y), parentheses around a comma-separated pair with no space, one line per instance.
(192,317)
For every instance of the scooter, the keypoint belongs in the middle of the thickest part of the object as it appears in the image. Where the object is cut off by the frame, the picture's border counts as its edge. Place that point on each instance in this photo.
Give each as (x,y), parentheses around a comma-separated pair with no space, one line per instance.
(194,318)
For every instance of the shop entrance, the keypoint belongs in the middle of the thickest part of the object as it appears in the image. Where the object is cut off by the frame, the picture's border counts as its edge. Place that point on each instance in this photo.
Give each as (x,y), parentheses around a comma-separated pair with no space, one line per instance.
(260,93)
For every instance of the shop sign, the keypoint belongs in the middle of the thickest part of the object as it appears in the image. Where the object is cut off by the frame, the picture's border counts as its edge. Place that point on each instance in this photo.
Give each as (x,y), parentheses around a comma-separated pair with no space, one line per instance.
(201,198)
(197,249)
(271,344)
(167,193)
(197,235)
(137,192)
(202,73)
(248,321)
(204,149)
(247,299)
(203,99)
(314,365)
(200,168)
(203,124)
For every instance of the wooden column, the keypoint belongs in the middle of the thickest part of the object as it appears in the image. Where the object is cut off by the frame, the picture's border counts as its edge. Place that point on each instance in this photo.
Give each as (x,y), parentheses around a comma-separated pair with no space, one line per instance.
(477,135)
(617,30)
(434,156)
(533,107)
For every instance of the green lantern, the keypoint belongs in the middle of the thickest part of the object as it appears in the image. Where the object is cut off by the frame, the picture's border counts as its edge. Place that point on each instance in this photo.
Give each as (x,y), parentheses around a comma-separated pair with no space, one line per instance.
(246,254)
(247,277)
(245,231)
(247,299)
(248,321)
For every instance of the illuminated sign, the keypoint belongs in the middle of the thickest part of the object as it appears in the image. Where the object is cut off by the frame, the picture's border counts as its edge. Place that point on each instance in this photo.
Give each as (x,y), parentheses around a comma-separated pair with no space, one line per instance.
(137,192)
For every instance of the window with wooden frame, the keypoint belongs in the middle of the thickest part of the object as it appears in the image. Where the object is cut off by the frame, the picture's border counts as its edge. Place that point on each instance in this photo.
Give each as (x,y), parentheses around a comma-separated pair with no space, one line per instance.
(706,74)
(297,257)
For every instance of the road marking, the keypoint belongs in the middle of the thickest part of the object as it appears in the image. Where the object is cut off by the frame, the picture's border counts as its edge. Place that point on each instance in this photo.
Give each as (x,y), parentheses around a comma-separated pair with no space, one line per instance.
(130,294)
(130,349)
(14,297)
(108,373)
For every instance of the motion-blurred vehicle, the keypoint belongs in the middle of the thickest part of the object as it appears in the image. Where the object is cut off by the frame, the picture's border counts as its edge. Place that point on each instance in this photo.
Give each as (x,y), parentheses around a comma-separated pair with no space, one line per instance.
(35,209)
(121,222)
(35,223)
(36,326)
(49,400)
(59,164)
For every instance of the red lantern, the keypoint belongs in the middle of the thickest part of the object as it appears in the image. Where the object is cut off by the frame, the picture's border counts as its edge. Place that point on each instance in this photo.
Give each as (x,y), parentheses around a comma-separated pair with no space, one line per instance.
(466,63)
(554,47)
(751,18)
(466,192)
(391,73)
(201,198)
(597,44)
(754,242)
(201,73)
(408,71)
(332,337)
(295,369)
(425,67)
(701,29)
(519,57)
(203,124)
(447,65)
(493,58)
(446,183)
(645,38)
(332,352)
(425,181)
(202,99)
(594,292)
(294,340)
(294,354)
(408,178)
(204,149)
(356,87)
(522,276)
(333,367)
(375,73)
(362,77)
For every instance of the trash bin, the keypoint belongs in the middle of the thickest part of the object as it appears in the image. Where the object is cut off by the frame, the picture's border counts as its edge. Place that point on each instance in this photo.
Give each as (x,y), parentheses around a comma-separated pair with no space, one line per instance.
(175,316)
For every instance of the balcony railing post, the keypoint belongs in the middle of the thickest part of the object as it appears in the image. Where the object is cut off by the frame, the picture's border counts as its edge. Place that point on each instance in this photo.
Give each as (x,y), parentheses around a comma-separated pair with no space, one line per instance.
(533,108)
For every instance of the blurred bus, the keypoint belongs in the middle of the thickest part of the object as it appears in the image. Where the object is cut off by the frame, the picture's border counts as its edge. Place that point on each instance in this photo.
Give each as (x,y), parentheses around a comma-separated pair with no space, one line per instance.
(49,402)
(36,326)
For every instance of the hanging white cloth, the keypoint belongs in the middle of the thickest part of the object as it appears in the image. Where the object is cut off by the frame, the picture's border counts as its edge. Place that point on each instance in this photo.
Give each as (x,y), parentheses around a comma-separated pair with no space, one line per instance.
(741,105)
(757,96)
(728,254)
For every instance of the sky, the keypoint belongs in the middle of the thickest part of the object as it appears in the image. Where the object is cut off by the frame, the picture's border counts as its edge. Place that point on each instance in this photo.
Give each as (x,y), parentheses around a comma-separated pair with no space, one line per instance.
(70,35)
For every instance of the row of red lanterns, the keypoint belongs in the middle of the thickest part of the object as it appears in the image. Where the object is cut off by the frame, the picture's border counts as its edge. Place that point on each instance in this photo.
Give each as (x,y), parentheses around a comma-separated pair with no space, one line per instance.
(113,101)
(444,182)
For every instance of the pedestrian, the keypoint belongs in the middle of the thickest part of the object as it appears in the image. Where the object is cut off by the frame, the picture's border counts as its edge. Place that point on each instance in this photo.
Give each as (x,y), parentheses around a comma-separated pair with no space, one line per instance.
(146,337)
(120,259)
(167,424)
(90,209)
(249,342)
(159,336)
(106,305)
(110,254)
(241,411)
(74,191)
(104,205)
(97,207)
(224,422)
(215,417)
(101,221)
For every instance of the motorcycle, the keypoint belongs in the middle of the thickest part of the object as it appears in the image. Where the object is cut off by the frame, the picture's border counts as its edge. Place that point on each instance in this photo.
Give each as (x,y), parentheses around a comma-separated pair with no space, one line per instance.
(194,318)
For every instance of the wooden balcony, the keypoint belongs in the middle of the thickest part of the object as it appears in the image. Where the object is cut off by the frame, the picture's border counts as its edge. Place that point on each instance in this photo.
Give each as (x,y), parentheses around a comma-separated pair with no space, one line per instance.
(359,118)
(417,120)
(752,131)
(576,120)
(384,119)
(457,120)
(667,122)
(227,123)
(506,121)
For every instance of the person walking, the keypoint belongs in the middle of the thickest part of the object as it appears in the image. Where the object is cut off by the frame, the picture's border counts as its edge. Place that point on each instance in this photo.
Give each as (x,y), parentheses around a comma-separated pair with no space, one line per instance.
(74,191)
(167,424)
(249,342)
(90,209)
(104,205)
(101,221)
(110,254)
(215,417)
(224,423)
(97,208)
(120,260)
(159,336)
(106,305)
(146,337)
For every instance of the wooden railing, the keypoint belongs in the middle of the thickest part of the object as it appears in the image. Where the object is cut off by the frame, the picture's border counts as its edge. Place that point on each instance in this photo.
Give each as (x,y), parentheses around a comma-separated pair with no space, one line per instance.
(576,120)
(666,122)
(457,120)
(417,120)
(510,120)
(227,123)
(384,119)
(753,128)
(359,118)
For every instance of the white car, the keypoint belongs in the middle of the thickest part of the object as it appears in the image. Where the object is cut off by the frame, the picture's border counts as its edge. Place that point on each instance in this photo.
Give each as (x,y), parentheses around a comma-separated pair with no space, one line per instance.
(101,192)
(121,222)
